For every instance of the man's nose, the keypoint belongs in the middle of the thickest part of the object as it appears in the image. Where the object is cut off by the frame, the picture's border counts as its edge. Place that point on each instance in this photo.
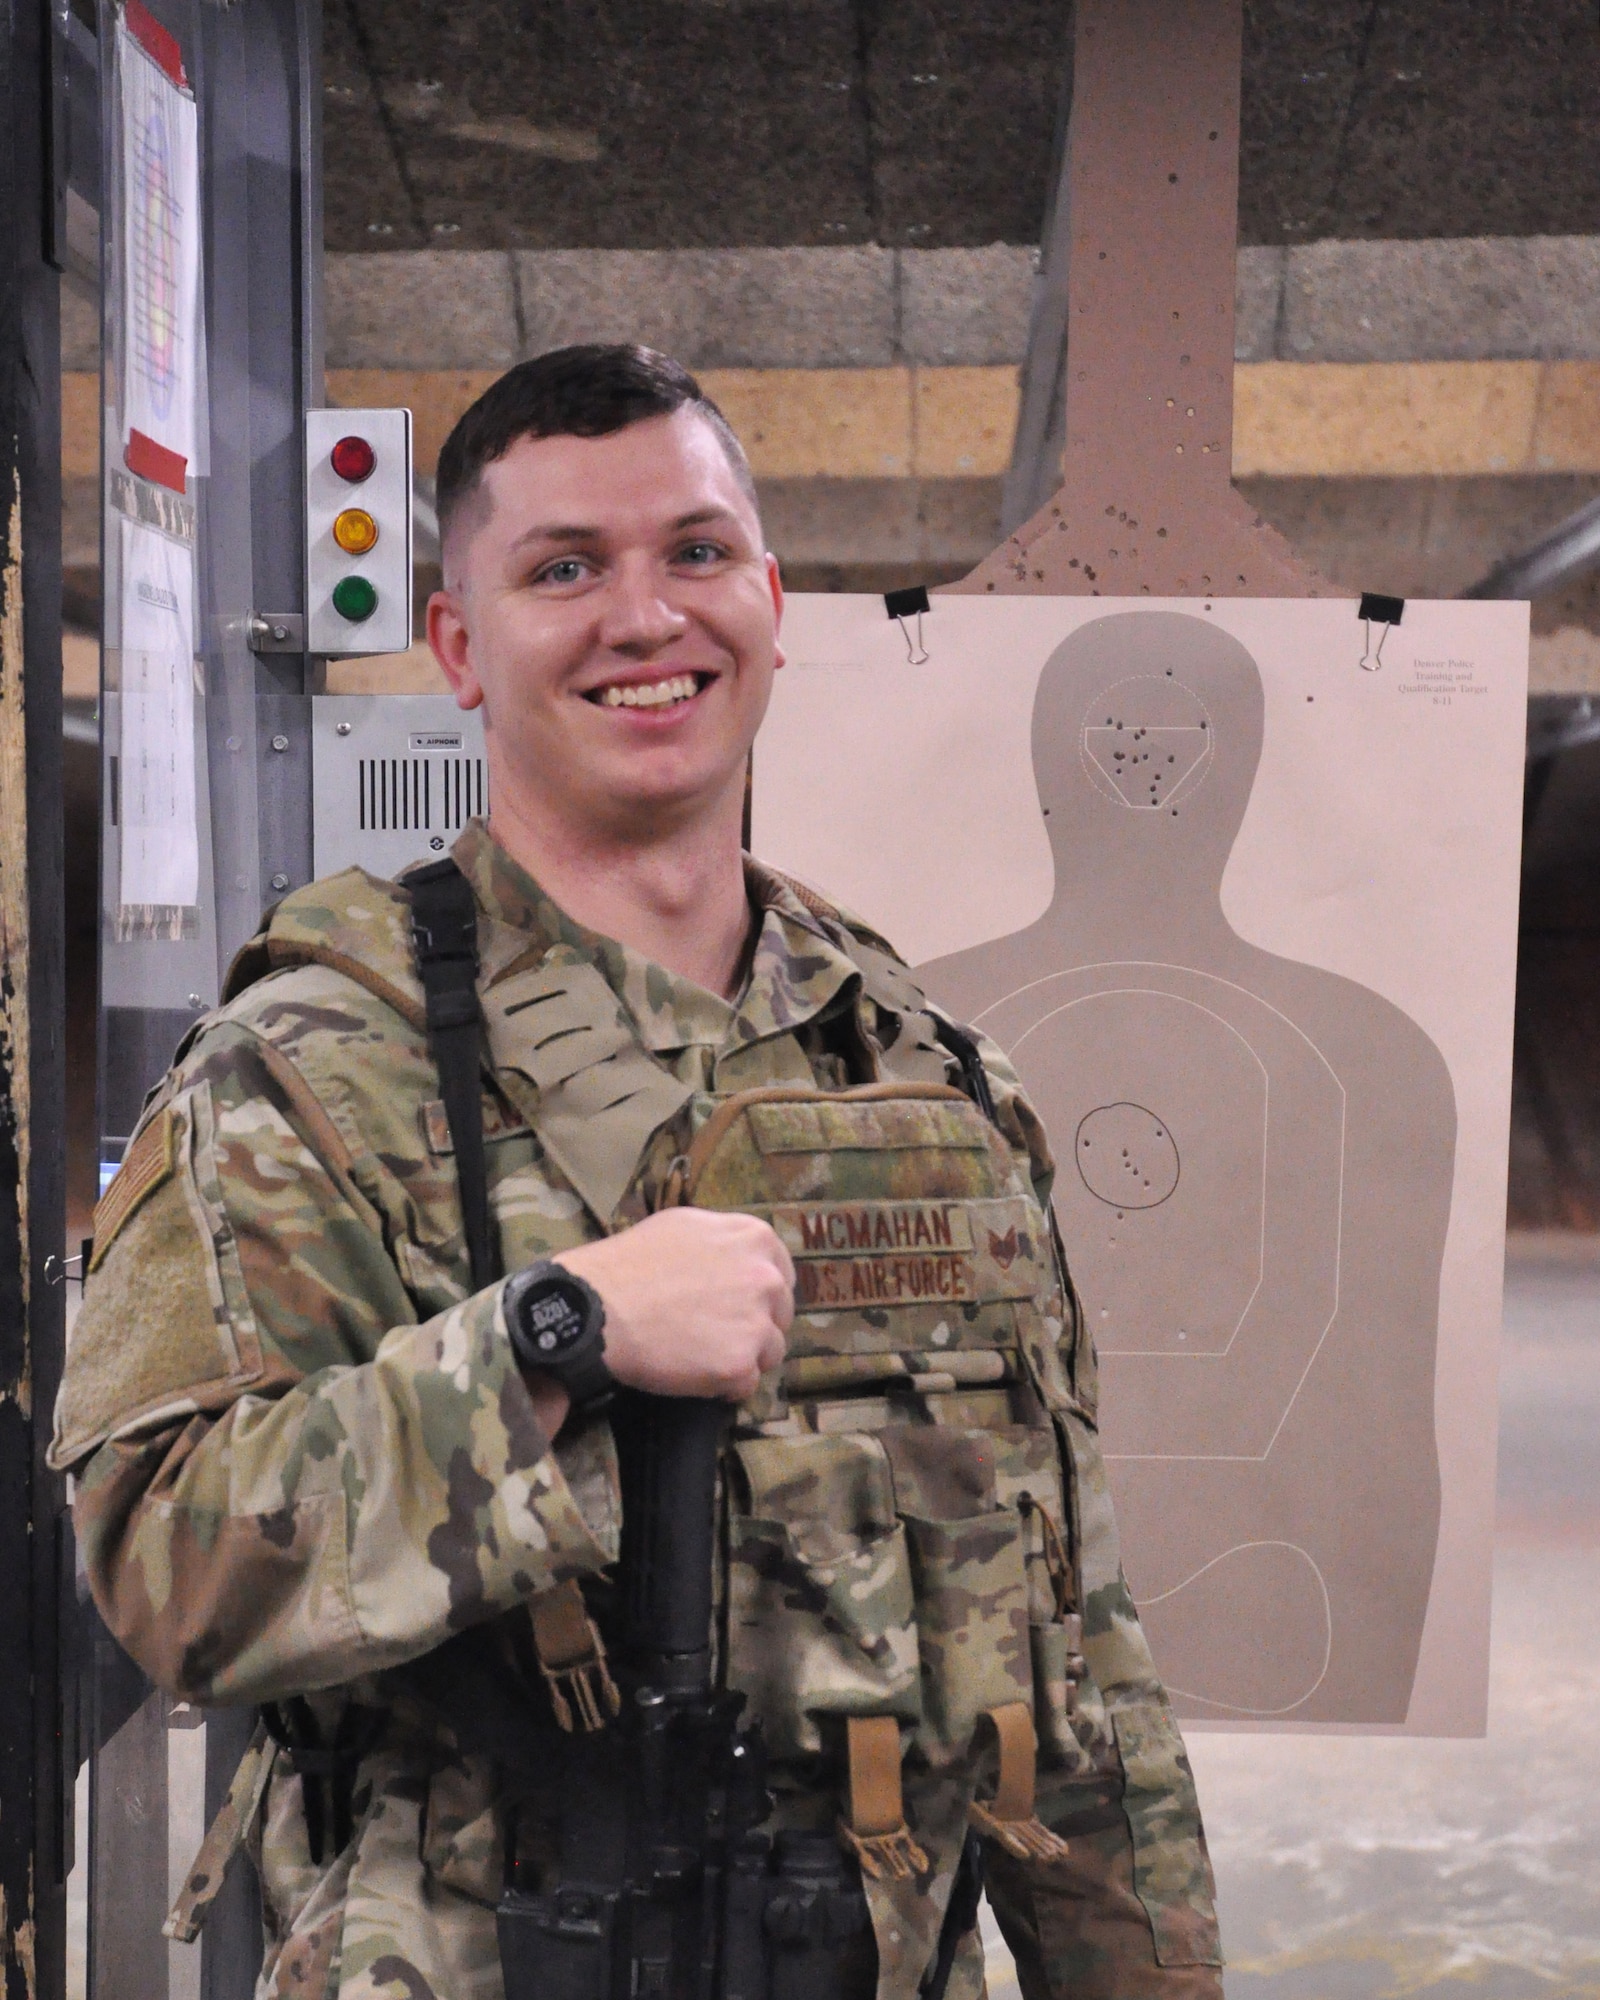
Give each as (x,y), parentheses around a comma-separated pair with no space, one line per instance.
(640,617)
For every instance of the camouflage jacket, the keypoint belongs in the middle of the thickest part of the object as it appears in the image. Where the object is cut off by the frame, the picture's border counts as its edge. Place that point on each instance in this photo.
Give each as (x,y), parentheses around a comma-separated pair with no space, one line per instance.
(305,1456)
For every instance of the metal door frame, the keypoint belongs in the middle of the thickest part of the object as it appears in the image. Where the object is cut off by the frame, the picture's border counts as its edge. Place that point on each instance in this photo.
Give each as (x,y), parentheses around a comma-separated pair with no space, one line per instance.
(35,1831)
(255,70)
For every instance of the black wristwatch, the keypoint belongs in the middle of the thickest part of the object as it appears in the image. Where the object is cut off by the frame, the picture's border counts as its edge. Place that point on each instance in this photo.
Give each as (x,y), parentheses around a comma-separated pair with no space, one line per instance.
(557,1324)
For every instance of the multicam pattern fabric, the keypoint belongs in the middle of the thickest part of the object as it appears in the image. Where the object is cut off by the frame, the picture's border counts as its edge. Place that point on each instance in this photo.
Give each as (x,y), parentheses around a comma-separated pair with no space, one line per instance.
(305,1457)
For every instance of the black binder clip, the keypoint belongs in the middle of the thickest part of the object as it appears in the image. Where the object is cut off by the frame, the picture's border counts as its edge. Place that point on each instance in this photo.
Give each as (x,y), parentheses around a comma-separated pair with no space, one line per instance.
(904,604)
(1384,612)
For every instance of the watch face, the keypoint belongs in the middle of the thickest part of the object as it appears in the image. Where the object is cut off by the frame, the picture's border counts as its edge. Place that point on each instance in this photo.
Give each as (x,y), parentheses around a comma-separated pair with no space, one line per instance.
(552,1320)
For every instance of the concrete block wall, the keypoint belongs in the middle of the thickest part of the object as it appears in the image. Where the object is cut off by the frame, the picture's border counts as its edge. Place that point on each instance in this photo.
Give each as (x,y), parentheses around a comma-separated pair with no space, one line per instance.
(1448,390)
(764,308)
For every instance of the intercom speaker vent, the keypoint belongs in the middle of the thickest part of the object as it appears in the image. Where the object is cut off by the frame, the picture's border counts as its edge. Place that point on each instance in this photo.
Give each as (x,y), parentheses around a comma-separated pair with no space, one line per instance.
(395,778)
(418,794)
(465,789)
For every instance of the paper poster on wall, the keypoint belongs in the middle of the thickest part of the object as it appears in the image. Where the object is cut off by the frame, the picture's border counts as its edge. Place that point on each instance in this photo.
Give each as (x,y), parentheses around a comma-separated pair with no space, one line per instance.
(160,213)
(1243,914)
(156,807)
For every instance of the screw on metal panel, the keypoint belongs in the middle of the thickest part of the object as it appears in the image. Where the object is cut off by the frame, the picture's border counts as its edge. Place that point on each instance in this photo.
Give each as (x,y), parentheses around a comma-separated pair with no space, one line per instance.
(280,880)
(196,1002)
(274,631)
(280,742)
(343,728)
(233,743)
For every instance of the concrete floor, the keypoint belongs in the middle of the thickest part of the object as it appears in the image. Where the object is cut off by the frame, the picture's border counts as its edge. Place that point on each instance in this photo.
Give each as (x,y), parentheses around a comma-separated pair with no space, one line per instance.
(1358,1869)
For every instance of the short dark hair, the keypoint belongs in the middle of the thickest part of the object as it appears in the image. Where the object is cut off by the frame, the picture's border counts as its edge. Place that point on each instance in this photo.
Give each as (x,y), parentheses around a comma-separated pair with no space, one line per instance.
(585,391)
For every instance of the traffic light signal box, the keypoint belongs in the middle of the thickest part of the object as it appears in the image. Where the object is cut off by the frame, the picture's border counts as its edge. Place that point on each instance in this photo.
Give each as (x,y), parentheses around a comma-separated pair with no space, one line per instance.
(358,531)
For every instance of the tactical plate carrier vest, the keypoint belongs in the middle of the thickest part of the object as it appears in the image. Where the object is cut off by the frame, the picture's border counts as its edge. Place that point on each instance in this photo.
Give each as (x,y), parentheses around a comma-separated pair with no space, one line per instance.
(898,1603)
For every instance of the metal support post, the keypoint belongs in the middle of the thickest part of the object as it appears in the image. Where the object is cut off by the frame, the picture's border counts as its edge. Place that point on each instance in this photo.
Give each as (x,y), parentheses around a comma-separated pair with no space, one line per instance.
(1141,255)
(35,1826)
(254,74)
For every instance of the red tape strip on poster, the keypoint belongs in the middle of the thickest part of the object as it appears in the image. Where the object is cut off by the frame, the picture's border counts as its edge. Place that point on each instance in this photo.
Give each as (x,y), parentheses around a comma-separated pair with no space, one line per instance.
(158,43)
(153,461)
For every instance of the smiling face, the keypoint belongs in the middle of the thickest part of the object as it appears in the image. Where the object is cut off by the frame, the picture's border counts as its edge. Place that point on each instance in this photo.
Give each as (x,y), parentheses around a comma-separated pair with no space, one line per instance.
(610,604)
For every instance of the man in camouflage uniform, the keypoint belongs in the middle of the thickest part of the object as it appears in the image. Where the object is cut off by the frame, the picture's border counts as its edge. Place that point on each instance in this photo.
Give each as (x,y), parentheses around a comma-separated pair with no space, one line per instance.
(306,1454)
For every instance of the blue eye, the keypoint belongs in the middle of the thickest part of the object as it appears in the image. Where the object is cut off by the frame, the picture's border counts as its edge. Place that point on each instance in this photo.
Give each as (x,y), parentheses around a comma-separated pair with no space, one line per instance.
(568,570)
(700,553)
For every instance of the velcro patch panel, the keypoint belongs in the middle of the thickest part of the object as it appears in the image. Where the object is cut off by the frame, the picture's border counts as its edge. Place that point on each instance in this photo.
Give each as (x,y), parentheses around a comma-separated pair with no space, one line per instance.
(148,1162)
(885,1124)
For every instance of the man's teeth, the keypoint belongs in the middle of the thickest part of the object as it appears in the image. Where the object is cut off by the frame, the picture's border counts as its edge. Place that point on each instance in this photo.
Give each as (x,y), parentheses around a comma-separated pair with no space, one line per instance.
(657,695)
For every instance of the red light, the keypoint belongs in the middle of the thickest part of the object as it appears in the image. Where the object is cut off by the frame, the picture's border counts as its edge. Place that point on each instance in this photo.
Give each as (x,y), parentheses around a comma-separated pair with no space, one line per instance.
(353,459)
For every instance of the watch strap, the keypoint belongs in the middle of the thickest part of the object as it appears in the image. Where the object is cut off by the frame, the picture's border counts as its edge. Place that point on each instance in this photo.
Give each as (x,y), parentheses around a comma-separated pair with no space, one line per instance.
(585,1377)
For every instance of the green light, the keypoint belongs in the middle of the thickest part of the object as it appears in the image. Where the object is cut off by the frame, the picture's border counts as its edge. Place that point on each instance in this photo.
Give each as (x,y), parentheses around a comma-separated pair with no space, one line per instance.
(354,598)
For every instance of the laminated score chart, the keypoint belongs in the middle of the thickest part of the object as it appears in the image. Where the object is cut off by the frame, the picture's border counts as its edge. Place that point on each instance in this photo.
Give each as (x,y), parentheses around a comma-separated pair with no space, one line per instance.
(159,195)
(157,805)
(1242,911)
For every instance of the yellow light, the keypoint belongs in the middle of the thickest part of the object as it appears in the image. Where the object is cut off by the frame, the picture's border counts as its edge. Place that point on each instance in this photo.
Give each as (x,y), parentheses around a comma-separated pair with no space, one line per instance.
(355,531)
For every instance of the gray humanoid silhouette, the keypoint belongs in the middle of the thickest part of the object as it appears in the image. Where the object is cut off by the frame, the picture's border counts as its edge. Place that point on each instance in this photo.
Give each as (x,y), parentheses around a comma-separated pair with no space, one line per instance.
(1256,1160)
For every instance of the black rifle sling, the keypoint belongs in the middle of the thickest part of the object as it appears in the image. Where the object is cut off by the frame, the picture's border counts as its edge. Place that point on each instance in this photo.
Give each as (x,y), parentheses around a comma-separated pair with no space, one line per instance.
(963,1045)
(444,937)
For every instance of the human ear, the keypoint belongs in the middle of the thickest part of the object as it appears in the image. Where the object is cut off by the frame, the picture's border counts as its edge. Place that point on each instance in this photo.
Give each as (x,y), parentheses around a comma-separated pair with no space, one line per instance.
(775,585)
(451,641)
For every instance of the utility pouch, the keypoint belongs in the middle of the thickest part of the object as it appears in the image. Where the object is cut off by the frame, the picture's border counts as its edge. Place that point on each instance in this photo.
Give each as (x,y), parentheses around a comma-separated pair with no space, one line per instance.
(819,1600)
(969,1582)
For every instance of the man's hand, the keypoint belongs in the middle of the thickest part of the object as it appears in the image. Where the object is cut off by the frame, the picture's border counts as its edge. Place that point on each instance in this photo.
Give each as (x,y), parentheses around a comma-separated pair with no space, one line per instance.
(698,1302)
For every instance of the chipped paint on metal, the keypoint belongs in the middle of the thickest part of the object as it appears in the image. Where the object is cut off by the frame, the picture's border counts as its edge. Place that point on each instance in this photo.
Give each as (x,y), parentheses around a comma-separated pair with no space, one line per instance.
(15,1051)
